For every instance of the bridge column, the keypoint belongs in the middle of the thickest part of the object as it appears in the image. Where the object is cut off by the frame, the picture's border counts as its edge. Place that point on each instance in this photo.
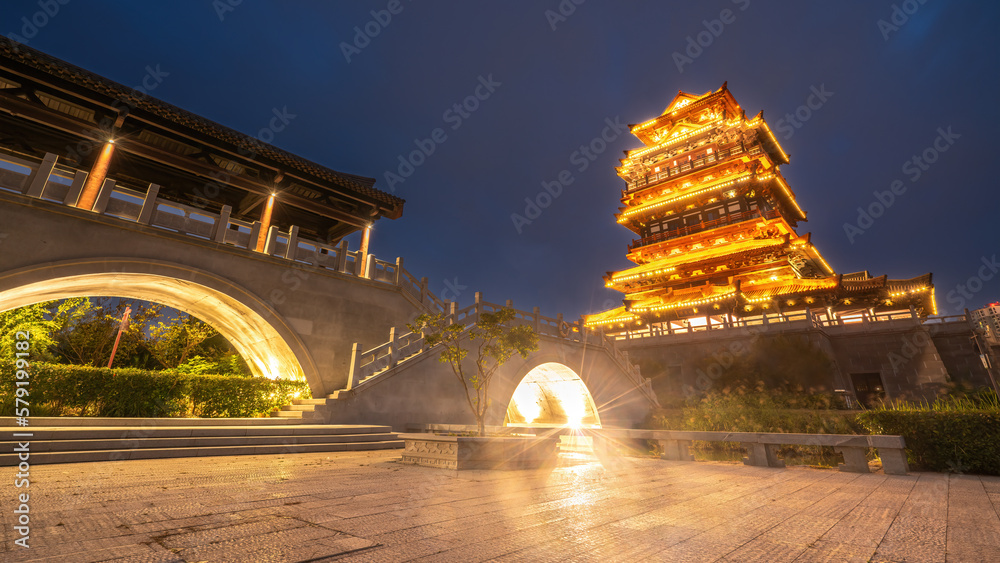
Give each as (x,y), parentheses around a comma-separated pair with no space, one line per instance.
(96,177)
(366,236)
(265,222)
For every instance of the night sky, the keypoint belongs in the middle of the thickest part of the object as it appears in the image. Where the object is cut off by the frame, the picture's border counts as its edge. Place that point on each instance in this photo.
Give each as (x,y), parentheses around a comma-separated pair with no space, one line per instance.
(551,76)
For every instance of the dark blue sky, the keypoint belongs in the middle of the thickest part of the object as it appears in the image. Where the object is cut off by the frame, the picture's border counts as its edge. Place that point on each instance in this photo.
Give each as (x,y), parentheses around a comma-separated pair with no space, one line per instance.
(892,89)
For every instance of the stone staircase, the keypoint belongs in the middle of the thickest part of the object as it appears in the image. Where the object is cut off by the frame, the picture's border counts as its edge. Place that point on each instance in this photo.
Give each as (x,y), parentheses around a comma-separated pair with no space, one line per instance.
(369,365)
(72,440)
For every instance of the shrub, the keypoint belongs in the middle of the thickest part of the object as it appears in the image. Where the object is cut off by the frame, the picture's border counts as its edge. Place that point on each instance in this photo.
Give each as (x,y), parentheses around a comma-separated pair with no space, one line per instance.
(61,390)
(957,435)
(757,410)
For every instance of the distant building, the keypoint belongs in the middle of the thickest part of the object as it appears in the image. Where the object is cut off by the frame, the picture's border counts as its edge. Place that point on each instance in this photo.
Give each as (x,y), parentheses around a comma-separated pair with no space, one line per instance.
(720,265)
(987,321)
(716,227)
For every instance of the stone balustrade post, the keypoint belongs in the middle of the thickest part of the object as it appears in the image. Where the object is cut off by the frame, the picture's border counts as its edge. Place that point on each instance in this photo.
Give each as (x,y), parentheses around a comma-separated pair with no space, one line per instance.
(535,313)
(342,257)
(392,347)
(104,196)
(40,176)
(399,271)
(292,250)
(73,193)
(355,359)
(148,204)
(223,225)
(271,241)
(254,235)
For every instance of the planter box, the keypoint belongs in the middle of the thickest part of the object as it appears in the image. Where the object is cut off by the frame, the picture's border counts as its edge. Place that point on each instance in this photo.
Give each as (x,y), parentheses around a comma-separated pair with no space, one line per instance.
(469,452)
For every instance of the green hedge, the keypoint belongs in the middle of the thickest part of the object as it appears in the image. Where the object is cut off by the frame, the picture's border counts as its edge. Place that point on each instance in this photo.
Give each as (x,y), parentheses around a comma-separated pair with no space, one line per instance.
(65,390)
(967,441)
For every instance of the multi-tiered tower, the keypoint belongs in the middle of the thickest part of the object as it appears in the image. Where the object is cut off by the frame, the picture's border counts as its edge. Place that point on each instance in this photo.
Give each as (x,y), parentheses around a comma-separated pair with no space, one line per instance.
(715,222)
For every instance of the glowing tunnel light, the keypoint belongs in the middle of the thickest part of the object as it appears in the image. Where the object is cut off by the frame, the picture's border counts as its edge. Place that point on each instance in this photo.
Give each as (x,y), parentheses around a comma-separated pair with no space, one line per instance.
(552,394)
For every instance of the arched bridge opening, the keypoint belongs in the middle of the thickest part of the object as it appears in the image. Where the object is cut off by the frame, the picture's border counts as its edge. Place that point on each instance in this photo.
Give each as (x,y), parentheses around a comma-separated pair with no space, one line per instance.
(269,348)
(552,395)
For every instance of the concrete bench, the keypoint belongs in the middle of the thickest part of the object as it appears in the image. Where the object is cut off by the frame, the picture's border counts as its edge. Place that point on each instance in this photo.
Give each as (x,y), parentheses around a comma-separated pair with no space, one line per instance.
(762,448)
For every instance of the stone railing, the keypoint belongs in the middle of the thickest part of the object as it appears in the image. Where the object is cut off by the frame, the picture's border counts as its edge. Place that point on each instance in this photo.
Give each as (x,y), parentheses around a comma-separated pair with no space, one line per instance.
(761,447)
(50,181)
(368,365)
(798,320)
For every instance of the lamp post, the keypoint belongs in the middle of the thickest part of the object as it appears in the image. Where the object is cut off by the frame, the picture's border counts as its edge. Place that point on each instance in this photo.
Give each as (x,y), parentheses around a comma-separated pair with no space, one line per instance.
(121,327)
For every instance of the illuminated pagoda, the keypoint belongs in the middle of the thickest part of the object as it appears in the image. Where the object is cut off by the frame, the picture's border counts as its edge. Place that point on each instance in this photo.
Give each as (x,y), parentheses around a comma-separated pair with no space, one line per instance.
(716,221)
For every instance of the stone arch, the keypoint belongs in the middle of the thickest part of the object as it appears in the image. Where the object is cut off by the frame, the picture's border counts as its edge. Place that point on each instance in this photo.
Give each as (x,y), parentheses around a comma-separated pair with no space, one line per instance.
(264,339)
(552,394)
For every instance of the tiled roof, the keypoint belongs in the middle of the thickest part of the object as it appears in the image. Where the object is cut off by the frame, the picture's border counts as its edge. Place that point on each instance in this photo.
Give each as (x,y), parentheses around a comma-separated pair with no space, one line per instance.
(60,69)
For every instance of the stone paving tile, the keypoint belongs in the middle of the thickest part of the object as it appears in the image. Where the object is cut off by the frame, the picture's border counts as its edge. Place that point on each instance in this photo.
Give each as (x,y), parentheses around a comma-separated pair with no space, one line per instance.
(365,506)
(832,552)
(763,551)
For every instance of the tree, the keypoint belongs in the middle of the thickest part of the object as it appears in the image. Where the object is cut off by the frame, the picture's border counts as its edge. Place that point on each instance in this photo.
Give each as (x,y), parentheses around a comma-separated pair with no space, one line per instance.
(89,340)
(41,321)
(493,339)
(172,344)
(229,364)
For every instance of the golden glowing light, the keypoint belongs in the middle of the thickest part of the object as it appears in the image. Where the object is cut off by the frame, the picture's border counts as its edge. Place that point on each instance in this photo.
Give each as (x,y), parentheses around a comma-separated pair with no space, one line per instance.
(526,402)
(552,394)
(258,342)
(98,173)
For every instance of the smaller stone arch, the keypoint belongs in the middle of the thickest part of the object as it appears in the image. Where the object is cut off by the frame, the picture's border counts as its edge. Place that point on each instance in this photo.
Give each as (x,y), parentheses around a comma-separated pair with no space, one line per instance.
(552,394)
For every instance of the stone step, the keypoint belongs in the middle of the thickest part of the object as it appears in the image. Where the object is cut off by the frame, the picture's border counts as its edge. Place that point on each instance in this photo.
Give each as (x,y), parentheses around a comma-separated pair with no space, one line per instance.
(133,433)
(157,453)
(304,415)
(192,442)
(299,407)
(90,421)
(309,401)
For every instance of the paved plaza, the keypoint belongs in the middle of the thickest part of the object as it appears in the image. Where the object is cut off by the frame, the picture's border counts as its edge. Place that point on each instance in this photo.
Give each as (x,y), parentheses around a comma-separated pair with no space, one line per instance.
(365,506)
